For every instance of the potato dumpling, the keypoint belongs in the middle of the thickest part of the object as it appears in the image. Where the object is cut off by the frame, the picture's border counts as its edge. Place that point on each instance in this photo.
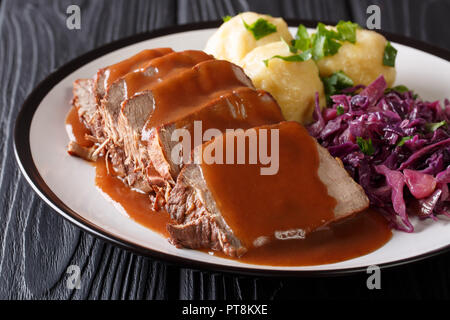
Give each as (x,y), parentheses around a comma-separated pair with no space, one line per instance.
(232,41)
(362,61)
(292,84)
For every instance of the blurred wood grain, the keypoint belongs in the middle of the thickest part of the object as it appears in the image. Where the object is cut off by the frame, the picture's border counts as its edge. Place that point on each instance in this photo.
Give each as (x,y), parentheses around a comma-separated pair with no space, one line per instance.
(37,245)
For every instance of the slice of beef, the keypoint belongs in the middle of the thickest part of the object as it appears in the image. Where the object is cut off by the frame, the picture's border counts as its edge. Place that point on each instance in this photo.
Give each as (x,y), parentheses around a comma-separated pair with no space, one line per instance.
(88,95)
(192,89)
(242,108)
(155,71)
(350,196)
(243,208)
(86,106)
(198,222)
(85,103)
(106,76)
(147,69)
(172,99)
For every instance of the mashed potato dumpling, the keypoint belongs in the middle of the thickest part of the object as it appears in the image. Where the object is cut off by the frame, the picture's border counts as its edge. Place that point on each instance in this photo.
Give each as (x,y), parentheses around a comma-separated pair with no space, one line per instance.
(232,41)
(362,61)
(292,84)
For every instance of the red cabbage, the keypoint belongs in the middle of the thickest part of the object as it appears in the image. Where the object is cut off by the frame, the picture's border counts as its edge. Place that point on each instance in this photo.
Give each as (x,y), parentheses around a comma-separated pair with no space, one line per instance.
(420,184)
(408,171)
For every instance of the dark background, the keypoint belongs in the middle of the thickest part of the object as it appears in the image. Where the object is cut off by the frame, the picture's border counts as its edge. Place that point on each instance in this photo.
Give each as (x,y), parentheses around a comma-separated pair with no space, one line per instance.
(37,245)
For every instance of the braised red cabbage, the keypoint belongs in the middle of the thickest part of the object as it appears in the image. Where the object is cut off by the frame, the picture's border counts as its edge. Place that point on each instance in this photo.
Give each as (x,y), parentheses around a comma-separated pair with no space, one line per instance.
(394,144)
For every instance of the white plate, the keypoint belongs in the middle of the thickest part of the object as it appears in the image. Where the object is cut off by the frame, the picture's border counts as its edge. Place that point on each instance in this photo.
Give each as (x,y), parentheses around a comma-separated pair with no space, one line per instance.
(67,183)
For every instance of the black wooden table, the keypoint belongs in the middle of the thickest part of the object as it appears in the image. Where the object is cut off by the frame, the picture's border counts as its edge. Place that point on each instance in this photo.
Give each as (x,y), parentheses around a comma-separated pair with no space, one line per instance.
(37,245)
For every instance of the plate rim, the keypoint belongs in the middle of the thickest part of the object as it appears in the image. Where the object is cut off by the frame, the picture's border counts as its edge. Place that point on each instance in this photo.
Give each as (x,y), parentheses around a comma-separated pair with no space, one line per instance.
(22,152)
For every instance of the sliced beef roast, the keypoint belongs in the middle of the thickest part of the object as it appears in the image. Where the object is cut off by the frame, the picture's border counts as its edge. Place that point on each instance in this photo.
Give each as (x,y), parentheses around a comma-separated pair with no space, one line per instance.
(242,108)
(133,109)
(172,99)
(88,94)
(155,71)
(151,73)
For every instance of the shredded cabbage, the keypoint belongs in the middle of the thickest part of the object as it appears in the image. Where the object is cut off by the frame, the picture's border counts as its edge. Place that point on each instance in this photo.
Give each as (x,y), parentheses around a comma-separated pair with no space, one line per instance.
(407,170)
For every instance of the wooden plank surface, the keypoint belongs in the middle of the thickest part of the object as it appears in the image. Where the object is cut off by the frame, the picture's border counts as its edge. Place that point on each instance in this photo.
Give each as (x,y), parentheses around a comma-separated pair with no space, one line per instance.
(37,245)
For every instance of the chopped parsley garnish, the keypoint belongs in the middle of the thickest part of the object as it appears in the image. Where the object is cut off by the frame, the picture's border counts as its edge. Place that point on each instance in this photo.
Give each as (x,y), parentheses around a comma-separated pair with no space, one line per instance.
(390,53)
(403,140)
(297,57)
(291,47)
(260,28)
(324,42)
(347,31)
(340,110)
(401,89)
(336,83)
(306,55)
(365,146)
(434,126)
(302,40)
(226,18)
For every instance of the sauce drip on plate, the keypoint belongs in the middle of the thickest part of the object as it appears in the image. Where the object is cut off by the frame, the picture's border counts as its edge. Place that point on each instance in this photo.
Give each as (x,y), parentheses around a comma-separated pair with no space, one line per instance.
(349,238)
(77,131)
(135,203)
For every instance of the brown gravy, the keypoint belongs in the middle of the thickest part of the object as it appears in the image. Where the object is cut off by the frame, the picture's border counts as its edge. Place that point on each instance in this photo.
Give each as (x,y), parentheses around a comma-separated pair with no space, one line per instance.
(77,128)
(136,204)
(231,112)
(349,238)
(192,89)
(161,68)
(138,62)
(346,239)
(255,206)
